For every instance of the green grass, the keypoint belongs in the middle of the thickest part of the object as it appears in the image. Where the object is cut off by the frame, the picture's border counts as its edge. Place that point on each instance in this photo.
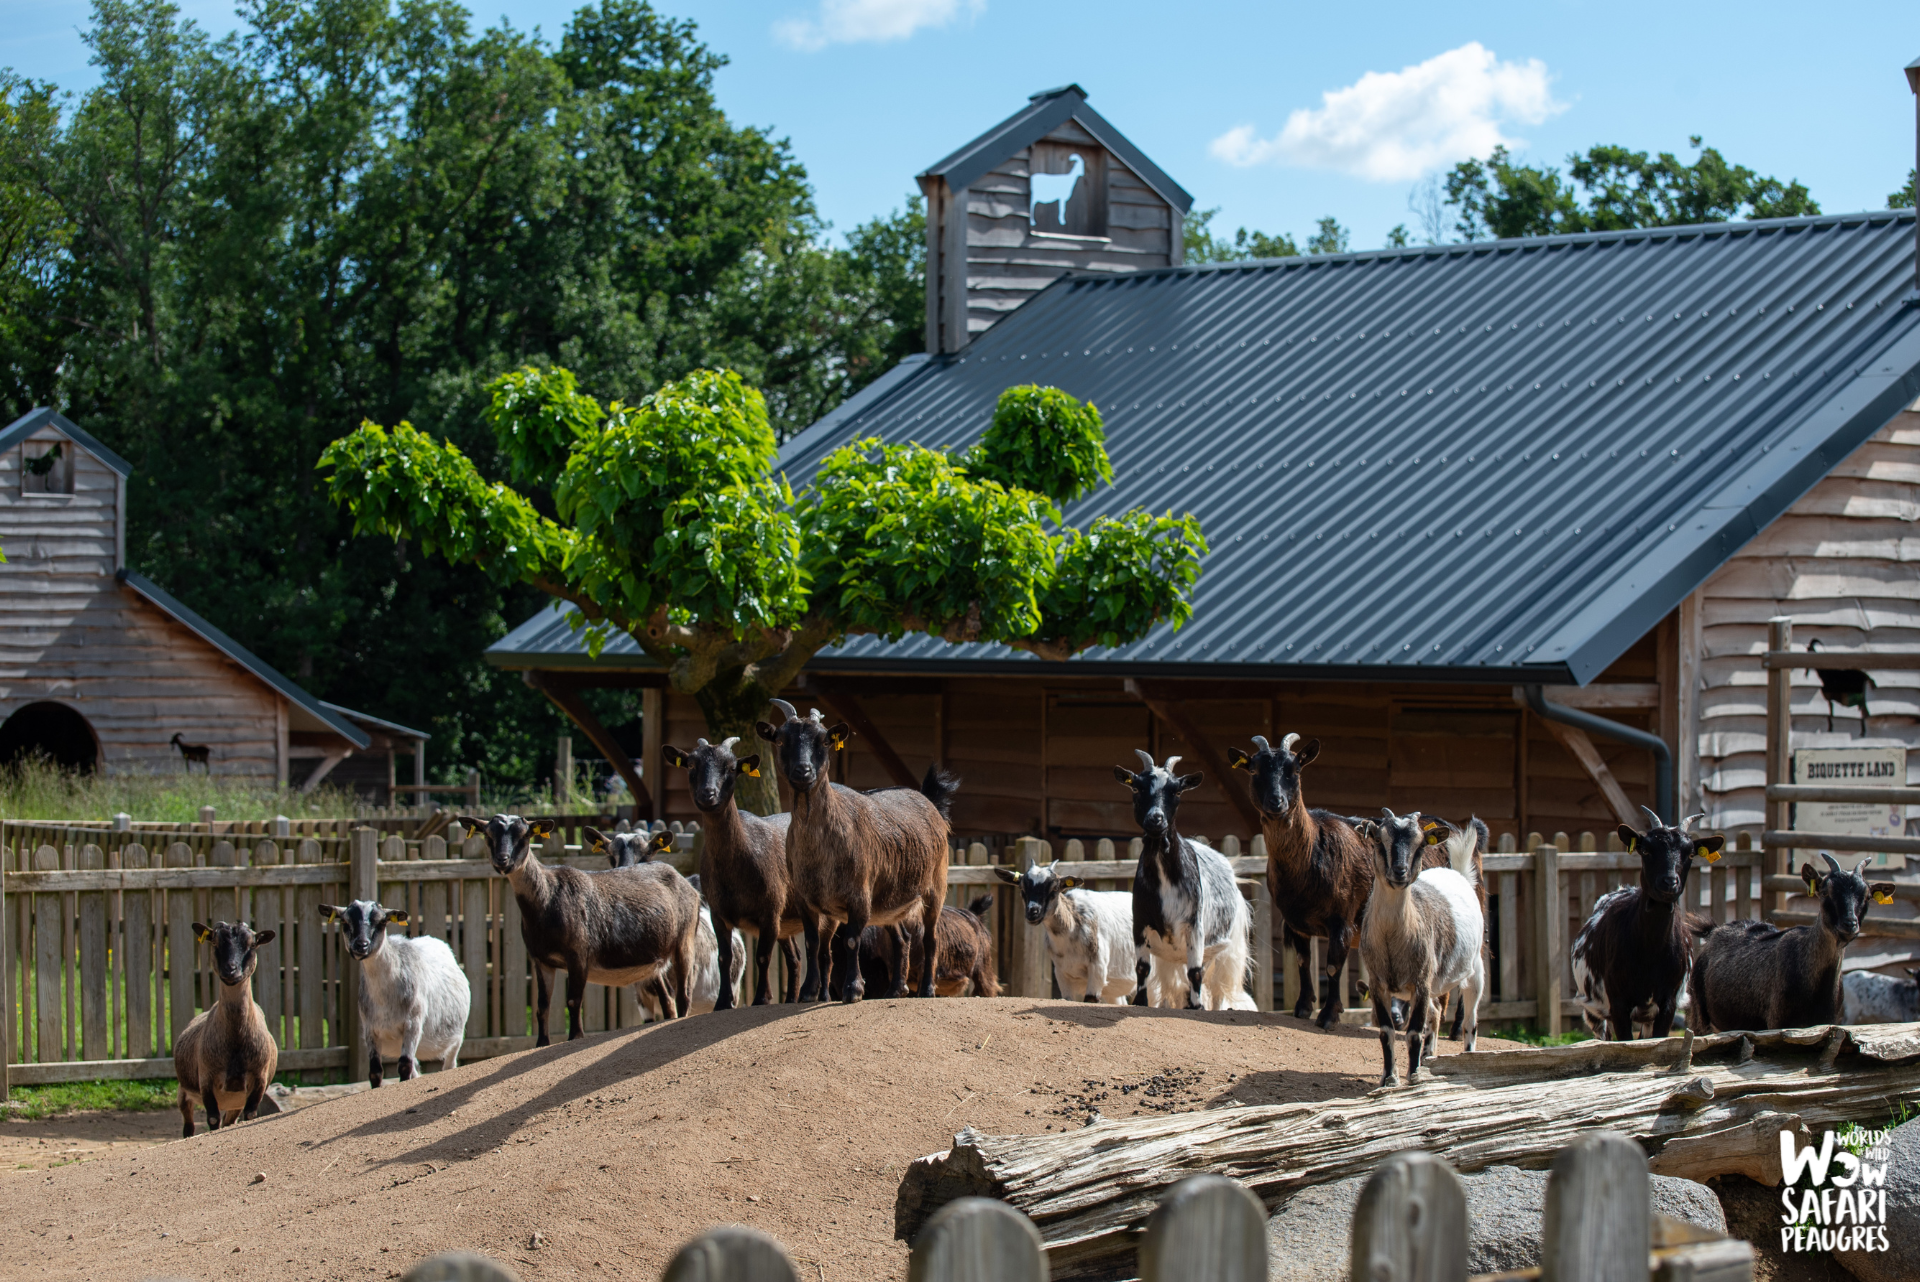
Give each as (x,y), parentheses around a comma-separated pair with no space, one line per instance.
(138,1096)
(34,790)
(1534,1037)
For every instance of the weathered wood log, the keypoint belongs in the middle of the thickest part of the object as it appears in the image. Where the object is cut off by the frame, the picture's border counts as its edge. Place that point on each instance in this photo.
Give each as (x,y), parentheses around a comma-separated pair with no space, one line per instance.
(1752,1150)
(1090,1191)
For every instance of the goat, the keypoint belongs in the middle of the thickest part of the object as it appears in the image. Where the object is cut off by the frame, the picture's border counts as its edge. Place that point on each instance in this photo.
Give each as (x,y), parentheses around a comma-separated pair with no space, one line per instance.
(614,927)
(1423,936)
(414,997)
(192,754)
(1187,909)
(226,1057)
(1870,998)
(1466,846)
(743,867)
(1753,975)
(624,850)
(1089,932)
(963,950)
(1319,868)
(862,858)
(1632,958)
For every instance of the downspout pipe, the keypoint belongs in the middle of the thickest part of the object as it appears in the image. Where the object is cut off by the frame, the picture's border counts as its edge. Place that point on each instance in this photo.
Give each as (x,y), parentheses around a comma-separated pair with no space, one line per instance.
(1662,755)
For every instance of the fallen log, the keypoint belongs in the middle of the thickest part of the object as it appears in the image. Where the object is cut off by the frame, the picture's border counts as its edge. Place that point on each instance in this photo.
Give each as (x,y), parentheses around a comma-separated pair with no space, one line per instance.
(1090,1191)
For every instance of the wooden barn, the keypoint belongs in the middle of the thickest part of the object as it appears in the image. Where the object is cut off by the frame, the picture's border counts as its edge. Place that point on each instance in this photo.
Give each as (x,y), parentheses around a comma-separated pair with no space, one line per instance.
(100,667)
(1499,523)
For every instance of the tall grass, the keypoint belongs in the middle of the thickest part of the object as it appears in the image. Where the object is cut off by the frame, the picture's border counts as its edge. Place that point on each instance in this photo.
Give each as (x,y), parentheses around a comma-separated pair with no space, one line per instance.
(35,789)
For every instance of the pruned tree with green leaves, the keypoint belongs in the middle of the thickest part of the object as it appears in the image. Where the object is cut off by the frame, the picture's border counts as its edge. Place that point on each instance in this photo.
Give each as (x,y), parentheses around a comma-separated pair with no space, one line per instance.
(670,525)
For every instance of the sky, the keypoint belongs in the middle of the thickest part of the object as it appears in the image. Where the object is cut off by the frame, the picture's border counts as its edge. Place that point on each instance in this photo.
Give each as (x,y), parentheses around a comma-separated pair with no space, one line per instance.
(1276,114)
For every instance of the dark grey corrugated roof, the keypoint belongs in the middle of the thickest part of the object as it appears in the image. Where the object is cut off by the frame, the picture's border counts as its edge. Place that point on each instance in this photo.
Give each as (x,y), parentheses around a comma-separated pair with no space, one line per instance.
(1498,461)
(35,419)
(1045,112)
(246,658)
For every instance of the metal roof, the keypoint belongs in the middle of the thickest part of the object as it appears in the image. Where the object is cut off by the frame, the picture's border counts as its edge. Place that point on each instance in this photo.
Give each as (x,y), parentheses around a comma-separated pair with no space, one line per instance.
(1499,461)
(393,728)
(1045,112)
(301,700)
(35,419)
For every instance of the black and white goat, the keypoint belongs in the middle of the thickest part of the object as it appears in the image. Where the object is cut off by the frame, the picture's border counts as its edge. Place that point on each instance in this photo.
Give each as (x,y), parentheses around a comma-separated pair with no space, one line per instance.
(414,998)
(1632,958)
(1089,933)
(1870,998)
(1187,911)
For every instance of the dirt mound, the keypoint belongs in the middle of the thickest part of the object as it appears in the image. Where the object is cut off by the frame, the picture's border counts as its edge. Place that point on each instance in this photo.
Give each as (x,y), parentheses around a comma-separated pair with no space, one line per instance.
(598,1158)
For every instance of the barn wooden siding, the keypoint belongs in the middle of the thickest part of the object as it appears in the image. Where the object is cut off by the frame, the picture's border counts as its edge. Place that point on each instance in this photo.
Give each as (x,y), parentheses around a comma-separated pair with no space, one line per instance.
(990,261)
(66,625)
(1844,564)
(1037,756)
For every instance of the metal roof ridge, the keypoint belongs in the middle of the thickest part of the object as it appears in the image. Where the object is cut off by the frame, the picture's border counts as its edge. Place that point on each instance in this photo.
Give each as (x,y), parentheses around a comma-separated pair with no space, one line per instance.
(44,416)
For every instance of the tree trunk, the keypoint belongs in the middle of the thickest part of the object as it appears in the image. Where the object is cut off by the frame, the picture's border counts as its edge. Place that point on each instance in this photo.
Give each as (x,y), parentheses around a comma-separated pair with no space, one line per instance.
(732,705)
(1091,1190)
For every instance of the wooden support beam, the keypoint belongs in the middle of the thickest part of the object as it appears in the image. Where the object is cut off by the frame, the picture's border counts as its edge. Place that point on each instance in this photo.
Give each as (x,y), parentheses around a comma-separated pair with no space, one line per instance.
(565,697)
(325,768)
(1575,741)
(847,707)
(1174,712)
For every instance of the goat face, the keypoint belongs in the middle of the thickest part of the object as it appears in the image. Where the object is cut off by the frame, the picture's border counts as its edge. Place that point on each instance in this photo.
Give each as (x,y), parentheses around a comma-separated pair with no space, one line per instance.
(1667,855)
(1398,843)
(1275,771)
(233,949)
(801,745)
(1039,887)
(509,838)
(711,768)
(1156,792)
(363,923)
(1844,896)
(625,849)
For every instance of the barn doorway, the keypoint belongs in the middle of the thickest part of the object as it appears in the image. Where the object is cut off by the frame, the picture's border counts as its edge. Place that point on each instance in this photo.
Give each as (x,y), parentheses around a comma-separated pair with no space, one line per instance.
(53,731)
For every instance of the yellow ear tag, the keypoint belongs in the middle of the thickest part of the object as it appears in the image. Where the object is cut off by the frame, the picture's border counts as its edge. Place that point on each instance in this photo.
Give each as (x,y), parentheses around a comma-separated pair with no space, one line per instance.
(1633,843)
(1882,897)
(752,772)
(1708,854)
(203,935)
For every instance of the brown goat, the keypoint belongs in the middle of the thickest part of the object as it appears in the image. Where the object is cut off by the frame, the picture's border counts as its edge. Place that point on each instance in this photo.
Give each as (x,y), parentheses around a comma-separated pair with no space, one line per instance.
(614,927)
(1319,868)
(743,868)
(963,952)
(226,1057)
(863,858)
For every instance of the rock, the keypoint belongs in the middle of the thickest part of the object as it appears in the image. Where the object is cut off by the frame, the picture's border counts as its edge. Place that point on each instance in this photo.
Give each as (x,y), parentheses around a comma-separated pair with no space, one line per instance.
(259,1177)
(1900,1262)
(1307,1237)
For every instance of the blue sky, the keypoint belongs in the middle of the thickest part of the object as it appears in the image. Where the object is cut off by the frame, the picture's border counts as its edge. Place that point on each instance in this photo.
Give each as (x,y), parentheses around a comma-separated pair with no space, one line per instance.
(1276,113)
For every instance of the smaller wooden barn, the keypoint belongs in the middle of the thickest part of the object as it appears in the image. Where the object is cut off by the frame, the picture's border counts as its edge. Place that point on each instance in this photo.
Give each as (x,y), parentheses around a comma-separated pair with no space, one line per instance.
(100,667)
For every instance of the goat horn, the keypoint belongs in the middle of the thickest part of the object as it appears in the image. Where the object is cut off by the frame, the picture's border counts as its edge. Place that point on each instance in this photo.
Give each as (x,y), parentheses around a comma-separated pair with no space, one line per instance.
(701,743)
(1287,742)
(728,742)
(1861,868)
(816,716)
(1655,819)
(1260,742)
(1146,761)
(787,710)
(1831,861)
(1688,821)
(1388,813)
(1171,763)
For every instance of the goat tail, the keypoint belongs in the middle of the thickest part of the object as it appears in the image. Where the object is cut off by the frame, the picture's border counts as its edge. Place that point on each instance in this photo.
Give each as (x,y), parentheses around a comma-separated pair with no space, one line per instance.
(1699,925)
(981,906)
(939,787)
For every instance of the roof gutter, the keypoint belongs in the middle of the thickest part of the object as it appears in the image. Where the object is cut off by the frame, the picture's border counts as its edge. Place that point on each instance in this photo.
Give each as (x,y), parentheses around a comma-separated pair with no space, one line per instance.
(1662,755)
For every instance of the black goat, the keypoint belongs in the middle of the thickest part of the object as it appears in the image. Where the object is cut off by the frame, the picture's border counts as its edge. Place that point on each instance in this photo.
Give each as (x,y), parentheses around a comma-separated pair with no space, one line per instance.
(1753,975)
(1631,959)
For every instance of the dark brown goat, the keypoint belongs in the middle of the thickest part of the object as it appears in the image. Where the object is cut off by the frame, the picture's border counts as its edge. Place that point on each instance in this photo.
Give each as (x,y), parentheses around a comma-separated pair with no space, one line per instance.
(225,1058)
(614,927)
(743,868)
(963,955)
(193,754)
(1319,869)
(862,858)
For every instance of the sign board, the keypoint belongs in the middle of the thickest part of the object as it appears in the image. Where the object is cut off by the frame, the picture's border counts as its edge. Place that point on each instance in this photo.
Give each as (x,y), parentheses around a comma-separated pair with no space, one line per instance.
(1858,768)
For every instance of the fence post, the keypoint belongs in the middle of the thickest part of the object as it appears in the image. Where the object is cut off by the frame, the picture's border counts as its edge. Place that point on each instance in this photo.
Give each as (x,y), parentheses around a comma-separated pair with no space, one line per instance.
(733,1253)
(473,792)
(363,882)
(1031,977)
(1597,1223)
(10,1007)
(1411,1223)
(976,1239)
(1779,757)
(123,822)
(1552,907)
(282,826)
(1262,944)
(1207,1226)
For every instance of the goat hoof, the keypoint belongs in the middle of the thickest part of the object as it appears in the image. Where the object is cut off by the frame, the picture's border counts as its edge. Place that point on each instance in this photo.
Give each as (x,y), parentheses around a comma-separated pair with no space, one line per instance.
(1390,1079)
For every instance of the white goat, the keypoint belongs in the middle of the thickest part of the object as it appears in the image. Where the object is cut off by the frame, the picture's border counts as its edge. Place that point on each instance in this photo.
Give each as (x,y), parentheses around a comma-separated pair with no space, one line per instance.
(704,991)
(1870,998)
(1421,939)
(1089,933)
(414,997)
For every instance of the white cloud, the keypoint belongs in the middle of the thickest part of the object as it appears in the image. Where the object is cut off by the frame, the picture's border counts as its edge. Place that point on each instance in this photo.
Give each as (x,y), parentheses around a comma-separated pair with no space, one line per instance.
(873,21)
(1395,126)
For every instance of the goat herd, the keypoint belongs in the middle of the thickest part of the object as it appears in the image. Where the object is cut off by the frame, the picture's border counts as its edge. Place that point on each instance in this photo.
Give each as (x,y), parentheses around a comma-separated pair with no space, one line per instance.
(861,877)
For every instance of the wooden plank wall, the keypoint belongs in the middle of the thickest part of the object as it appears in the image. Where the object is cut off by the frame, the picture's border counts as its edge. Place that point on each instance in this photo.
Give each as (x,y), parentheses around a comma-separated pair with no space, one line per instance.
(72,634)
(1844,564)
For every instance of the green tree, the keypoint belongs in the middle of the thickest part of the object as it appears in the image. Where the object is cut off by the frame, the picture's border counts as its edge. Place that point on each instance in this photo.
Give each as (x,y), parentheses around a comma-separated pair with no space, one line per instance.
(1329,237)
(1902,199)
(669,525)
(1202,246)
(1609,189)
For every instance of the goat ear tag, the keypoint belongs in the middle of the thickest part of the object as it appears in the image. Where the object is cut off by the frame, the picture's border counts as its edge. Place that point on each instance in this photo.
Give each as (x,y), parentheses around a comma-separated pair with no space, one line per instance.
(1707,854)
(397,916)
(202,934)
(1883,896)
(751,772)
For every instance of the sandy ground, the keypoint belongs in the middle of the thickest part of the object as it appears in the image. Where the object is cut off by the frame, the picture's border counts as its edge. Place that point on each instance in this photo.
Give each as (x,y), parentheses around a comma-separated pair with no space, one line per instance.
(598,1158)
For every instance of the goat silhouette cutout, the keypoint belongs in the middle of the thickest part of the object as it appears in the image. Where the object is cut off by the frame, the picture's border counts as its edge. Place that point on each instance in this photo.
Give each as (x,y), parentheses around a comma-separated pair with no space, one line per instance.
(1055,190)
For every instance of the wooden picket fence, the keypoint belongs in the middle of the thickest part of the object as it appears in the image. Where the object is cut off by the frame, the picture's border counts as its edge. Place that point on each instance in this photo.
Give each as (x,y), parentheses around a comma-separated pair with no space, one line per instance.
(1409,1225)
